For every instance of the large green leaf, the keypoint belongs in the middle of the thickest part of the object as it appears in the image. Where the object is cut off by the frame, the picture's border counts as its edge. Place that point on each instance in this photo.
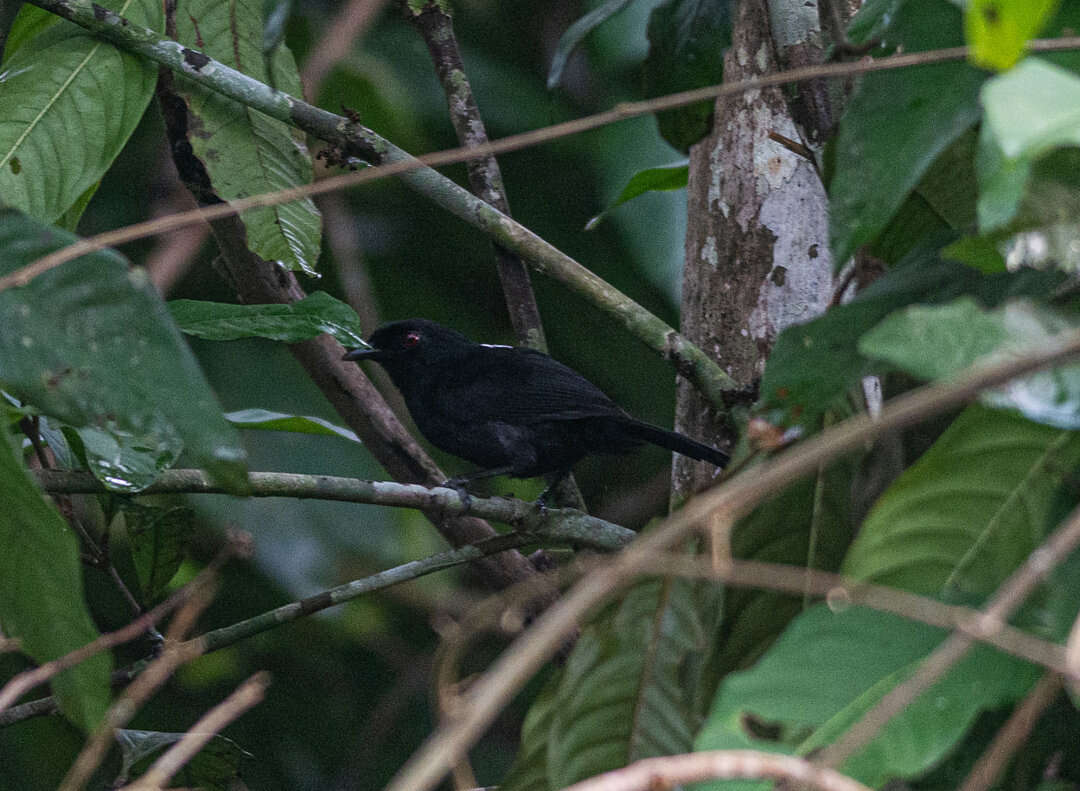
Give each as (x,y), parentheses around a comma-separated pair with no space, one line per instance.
(934,342)
(897,123)
(829,668)
(297,321)
(687,40)
(1030,111)
(92,344)
(972,508)
(68,103)
(243,151)
(41,600)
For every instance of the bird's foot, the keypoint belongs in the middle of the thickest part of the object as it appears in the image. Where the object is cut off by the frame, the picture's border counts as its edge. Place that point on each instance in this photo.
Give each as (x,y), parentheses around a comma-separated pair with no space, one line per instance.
(458,485)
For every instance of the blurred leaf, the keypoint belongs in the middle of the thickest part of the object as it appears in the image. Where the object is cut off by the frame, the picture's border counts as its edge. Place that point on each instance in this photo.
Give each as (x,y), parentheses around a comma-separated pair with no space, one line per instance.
(897,123)
(214,768)
(245,152)
(41,592)
(279,421)
(687,41)
(998,30)
(937,342)
(970,510)
(1030,110)
(828,669)
(529,770)
(68,103)
(69,220)
(576,33)
(813,365)
(978,252)
(673,177)
(158,538)
(297,321)
(91,343)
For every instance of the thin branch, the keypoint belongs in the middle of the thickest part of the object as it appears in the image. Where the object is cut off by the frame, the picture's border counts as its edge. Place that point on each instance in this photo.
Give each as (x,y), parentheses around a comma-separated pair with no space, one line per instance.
(247,695)
(555,524)
(1012,736)
(1004,602)
(734,497)
(338,38)
(672,771)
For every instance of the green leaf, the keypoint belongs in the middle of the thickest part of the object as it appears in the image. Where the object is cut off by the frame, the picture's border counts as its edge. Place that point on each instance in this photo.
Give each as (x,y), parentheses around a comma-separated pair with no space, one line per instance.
(41,592)
(279,421)
(813,365)
(576,33)
(1030,111)
(529,770)
(897,123)
(297,321)
(91,343)
(939,341)
(998,30)
(158,538)
(829,668)
(687,41)
(216,767)
(68,103)
(977,252)
(126,461)
(243,151)
(970,510)
(672,177)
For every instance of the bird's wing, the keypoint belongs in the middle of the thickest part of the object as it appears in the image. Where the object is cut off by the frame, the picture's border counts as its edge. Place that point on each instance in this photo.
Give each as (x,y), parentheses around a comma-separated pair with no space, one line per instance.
(522,386)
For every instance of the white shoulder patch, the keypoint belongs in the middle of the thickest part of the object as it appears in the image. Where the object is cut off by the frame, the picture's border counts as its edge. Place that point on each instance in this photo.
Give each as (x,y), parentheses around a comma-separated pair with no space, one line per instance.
(495,346)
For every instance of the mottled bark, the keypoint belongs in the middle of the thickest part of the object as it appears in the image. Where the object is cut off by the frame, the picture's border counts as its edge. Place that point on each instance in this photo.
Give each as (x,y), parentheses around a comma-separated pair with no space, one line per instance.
(757,256)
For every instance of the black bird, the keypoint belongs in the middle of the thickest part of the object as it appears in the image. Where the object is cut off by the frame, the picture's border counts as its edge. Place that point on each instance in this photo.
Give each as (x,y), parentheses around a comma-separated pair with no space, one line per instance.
(512,411)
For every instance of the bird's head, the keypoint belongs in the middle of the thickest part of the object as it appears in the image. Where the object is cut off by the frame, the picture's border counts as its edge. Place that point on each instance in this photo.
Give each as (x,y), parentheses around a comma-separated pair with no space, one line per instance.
(402,346)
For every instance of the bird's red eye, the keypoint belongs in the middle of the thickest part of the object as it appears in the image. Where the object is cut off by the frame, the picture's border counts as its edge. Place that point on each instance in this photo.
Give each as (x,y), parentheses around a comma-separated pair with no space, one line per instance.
(411,339)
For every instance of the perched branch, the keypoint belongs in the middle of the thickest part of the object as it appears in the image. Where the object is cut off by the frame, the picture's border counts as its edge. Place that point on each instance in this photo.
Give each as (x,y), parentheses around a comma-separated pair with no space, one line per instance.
(248,694)
(672,771)
(554,524)
(1007,599)
(734,497)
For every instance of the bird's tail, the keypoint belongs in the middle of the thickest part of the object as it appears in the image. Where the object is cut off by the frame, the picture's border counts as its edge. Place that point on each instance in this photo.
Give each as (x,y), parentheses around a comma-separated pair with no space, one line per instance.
(676,442)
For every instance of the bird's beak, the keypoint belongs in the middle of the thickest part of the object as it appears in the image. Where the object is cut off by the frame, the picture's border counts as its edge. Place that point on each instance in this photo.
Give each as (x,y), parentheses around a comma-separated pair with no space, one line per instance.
(370,353)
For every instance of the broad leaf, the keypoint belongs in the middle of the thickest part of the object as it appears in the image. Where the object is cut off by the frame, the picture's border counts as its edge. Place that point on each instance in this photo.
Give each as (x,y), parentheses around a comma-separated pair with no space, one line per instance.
(158,540)
(897,123)
(940,341)
(687,40)
(41,600)
(1030,111)
(970,510)
(68,103)
(829,668)
(91,344)
(290,323)
(216,767)
(243,151)
(998,30)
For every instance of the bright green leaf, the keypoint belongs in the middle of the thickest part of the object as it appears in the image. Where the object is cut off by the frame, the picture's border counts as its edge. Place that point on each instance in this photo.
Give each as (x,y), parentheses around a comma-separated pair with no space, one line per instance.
(92,344)
(1029,111)
(977,252)
(41,592)
(970,510)
(243,151)
(576,33)
(297,321)
(279,421)
(673,177)
(68,103)
(998,30)
(934,342)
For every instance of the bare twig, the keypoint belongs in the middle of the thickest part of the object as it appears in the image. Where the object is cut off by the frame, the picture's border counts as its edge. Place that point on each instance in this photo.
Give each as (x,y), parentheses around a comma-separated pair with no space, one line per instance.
(1012,736)
(247,695)
(672,771)
(1004,602)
